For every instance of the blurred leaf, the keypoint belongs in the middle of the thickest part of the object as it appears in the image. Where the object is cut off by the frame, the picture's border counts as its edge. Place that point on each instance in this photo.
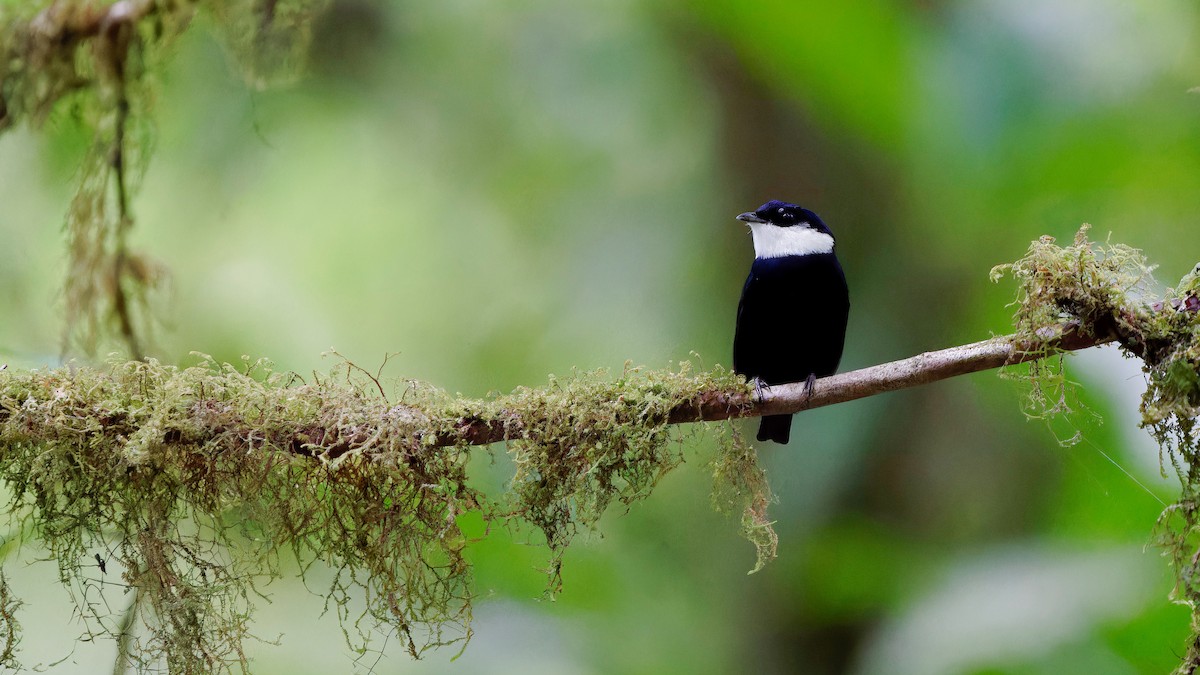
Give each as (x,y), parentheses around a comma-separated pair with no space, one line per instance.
(849,65)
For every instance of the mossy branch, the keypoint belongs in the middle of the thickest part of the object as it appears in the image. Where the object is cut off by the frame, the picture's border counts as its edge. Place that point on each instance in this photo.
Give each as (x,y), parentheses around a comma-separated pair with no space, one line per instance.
(486,422)
(106,463)
(111,460)
(720,404)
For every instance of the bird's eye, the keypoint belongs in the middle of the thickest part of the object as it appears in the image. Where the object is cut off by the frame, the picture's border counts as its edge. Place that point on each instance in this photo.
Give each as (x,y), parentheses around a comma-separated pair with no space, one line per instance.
(783,210)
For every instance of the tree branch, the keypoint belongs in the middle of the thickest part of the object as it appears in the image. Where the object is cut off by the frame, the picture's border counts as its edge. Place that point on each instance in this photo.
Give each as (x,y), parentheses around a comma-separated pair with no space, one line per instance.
(923,369)
(791,398)
(192,415)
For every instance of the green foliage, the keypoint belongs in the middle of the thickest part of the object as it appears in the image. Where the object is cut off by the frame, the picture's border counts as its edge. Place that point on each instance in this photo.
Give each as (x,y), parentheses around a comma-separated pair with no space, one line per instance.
(1109,290)
(191,481)
(870,102)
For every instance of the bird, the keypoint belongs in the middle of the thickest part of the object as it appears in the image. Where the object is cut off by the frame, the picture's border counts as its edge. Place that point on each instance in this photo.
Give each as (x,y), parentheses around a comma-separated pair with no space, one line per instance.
(791,319)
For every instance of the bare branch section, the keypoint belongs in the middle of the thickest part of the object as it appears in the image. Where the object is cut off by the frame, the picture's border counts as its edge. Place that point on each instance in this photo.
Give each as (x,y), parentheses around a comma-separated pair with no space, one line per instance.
(923,369)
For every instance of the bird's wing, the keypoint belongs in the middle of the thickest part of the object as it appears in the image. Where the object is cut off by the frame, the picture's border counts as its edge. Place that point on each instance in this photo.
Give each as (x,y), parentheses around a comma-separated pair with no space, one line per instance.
(739,359)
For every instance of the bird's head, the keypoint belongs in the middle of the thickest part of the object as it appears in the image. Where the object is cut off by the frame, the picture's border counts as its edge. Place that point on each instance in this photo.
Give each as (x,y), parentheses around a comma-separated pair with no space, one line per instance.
(783,229)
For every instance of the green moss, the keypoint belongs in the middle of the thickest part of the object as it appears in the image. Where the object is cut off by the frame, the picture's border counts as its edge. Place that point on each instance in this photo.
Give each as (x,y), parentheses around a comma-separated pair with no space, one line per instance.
(590,441)
(1109,290)
(191,481)
(194,479)
(740,487)
(1099,289)
(10,628)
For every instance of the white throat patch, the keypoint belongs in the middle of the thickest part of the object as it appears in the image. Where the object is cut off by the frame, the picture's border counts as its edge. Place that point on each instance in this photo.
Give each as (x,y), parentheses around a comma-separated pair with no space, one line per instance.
(772,241)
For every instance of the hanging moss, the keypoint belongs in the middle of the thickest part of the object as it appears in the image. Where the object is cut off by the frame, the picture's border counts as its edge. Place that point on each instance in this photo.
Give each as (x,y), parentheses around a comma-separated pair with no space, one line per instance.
(10,628)
(187,483)
(1108,290)
(97,64)
(594,440)
(740,487)
(191,480)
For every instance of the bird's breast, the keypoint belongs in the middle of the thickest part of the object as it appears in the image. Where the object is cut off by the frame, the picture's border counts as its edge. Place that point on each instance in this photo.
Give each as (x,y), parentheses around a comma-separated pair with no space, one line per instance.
(792,274)
(792,318)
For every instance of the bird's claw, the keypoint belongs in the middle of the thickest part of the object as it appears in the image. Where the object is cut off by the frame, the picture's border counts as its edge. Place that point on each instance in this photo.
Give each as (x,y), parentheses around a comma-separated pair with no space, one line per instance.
(809,383)
(759,388)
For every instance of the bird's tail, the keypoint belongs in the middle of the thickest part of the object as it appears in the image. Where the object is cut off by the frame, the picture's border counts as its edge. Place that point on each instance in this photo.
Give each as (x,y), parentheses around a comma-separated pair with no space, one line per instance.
(776,428)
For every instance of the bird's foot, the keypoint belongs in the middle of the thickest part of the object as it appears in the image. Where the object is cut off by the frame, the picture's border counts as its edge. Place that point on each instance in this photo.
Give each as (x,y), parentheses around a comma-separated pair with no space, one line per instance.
(809,383)
(760,388)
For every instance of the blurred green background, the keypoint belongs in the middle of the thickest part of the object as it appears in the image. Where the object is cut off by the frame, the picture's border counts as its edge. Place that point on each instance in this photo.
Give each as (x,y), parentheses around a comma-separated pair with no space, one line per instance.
(498,191)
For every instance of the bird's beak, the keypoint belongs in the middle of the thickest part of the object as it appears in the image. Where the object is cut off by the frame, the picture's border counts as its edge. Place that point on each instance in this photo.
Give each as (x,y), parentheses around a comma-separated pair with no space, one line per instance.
(750,217)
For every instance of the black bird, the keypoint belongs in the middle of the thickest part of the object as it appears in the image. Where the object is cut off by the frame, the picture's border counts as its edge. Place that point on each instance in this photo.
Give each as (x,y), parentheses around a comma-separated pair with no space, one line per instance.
(791,321)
